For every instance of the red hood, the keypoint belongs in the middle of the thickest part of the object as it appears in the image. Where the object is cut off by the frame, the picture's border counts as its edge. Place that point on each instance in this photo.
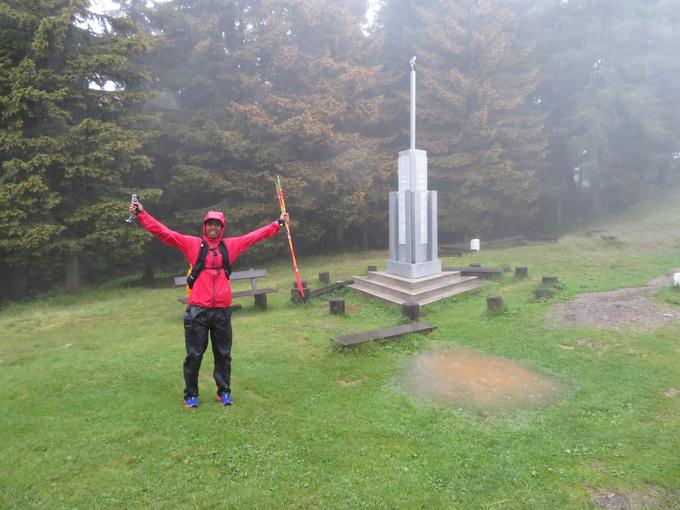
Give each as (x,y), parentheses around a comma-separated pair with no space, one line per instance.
(214,215)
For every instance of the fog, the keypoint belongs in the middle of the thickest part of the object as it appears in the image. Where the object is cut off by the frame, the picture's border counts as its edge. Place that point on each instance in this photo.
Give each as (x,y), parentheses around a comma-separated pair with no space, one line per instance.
(534,116)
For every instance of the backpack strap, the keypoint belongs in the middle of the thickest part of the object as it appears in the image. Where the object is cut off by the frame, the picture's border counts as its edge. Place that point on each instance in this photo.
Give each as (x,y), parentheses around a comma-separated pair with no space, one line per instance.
(199,265)
(225,258)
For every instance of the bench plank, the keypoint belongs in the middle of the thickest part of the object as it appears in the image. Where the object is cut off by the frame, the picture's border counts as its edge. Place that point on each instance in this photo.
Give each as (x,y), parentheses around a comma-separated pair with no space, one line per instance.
(476,271)
(244,275)
(383,334)
(256,292)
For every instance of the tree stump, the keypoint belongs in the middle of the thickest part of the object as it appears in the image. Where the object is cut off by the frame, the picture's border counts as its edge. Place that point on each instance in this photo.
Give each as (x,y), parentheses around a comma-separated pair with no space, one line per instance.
(296,297)
(261,301)
(542,293)
(475,264)
(411,310)
(494,304)
(372,268)
(325,277)
(304,285)
(521,272)
(337,306)
(549,280)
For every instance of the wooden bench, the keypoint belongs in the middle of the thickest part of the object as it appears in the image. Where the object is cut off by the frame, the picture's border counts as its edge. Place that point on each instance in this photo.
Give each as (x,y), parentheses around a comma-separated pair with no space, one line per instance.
(383,334)
(252,275)
(480,272)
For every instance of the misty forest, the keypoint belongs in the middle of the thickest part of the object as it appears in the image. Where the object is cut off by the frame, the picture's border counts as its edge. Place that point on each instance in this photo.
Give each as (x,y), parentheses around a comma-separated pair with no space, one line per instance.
(535,115)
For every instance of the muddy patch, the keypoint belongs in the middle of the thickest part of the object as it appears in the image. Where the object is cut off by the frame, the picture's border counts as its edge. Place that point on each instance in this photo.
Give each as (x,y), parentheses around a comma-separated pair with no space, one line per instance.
(636,500)
(621,310)
(464,377)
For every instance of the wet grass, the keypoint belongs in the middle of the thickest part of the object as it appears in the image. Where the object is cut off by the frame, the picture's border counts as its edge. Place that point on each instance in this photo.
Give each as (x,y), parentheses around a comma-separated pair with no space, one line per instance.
(92,414)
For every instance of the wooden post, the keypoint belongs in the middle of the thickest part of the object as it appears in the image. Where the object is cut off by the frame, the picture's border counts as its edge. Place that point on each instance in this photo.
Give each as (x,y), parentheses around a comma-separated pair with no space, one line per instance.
(521,272)
(372,268)
(337,306)
(411,310)
(549,280)
(325,277)
(475,264)
(304,285)
(542,293)
(494,304)
(261,301)
(296,297)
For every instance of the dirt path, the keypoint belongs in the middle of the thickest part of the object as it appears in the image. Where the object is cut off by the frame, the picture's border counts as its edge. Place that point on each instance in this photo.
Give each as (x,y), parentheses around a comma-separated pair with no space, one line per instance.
(623,309)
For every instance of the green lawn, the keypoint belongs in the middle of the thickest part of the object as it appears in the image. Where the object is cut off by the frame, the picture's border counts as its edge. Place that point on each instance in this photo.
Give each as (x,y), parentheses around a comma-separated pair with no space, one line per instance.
(92,415)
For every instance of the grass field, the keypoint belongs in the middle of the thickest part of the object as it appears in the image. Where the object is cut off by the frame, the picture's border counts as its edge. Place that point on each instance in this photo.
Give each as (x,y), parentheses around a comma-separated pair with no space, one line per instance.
(92,416)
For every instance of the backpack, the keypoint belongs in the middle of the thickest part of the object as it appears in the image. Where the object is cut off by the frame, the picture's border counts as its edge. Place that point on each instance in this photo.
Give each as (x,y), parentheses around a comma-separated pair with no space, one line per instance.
(199,265)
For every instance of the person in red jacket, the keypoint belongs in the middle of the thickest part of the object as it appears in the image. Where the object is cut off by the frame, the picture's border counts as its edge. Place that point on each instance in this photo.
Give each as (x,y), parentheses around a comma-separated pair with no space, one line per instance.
(209,308)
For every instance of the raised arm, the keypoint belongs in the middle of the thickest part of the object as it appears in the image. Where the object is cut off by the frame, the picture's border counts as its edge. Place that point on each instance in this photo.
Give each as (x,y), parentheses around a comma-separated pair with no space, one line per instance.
(238,245)
(155,227)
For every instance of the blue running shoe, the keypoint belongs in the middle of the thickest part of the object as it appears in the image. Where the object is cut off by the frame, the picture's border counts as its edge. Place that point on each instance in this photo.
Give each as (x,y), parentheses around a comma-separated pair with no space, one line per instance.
(225,399)
(191,402)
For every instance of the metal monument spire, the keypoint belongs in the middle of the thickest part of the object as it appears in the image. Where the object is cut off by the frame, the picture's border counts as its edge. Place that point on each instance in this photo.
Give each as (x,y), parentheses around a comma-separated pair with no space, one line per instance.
(413,210)
(414,273)
(413,103)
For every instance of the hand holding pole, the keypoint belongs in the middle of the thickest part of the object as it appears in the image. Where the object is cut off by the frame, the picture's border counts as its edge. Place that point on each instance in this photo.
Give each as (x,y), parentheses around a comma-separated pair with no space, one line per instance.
(133,201)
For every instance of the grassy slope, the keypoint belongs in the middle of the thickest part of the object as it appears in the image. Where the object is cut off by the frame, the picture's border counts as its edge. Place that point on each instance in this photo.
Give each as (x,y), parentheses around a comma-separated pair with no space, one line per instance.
(92,387)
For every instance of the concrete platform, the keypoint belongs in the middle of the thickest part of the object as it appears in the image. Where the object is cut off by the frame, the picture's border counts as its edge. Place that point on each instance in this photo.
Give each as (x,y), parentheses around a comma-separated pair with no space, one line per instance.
(423,291)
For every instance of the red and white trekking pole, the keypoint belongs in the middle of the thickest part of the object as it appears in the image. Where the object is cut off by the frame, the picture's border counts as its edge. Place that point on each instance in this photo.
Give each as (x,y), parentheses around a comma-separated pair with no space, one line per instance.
(282,204)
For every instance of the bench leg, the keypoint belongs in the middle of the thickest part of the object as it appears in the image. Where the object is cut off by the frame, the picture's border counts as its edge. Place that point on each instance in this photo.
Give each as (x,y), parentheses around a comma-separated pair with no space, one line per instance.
(261,301)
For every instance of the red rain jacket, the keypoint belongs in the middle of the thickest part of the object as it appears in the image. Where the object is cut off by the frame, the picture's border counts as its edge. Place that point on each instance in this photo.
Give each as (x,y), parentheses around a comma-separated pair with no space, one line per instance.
(211,288)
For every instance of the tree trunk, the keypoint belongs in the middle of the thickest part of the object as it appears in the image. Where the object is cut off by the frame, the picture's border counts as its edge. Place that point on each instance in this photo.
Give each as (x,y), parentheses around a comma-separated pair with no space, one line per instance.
(71,271)
(364,236)
(340,236)
(18,283)
(148,278)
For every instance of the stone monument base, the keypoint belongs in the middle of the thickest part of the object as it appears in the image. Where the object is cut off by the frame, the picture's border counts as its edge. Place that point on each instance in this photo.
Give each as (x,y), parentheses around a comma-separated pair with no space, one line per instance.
(417,270)
(421,291)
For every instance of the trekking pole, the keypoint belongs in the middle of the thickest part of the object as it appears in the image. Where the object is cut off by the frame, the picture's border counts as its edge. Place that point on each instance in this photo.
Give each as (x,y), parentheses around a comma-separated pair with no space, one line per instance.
(282,204)
(131,218)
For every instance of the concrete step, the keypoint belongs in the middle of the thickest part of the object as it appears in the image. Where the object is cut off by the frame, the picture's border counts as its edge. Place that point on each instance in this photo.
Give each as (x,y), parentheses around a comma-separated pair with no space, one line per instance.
(410,284)
(430,295)
(384,295)
(459,289)
(423,292)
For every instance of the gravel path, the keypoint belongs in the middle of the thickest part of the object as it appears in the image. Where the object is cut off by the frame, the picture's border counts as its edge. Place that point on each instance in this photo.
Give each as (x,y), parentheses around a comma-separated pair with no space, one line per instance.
(623,309)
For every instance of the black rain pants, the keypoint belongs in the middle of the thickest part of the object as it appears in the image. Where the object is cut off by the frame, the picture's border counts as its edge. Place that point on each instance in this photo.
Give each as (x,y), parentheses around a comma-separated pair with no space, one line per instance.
(198,321)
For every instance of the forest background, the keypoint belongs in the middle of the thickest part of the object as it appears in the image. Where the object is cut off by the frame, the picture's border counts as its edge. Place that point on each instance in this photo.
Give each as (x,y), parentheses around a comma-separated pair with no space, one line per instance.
(534,114)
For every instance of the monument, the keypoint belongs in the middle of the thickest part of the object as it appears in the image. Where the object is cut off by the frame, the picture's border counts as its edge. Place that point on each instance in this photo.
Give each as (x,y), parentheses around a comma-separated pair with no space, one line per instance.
(413,210)
(414,272)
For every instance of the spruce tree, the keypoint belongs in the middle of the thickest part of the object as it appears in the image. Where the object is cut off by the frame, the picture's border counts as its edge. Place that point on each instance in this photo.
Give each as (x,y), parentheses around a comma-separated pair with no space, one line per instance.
(483,137)
(249,91)
(64,145)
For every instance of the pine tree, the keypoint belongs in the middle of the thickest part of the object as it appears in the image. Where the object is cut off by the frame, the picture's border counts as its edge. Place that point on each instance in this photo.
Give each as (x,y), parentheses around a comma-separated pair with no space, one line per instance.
(249,91)
(483,137)
(64,147)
